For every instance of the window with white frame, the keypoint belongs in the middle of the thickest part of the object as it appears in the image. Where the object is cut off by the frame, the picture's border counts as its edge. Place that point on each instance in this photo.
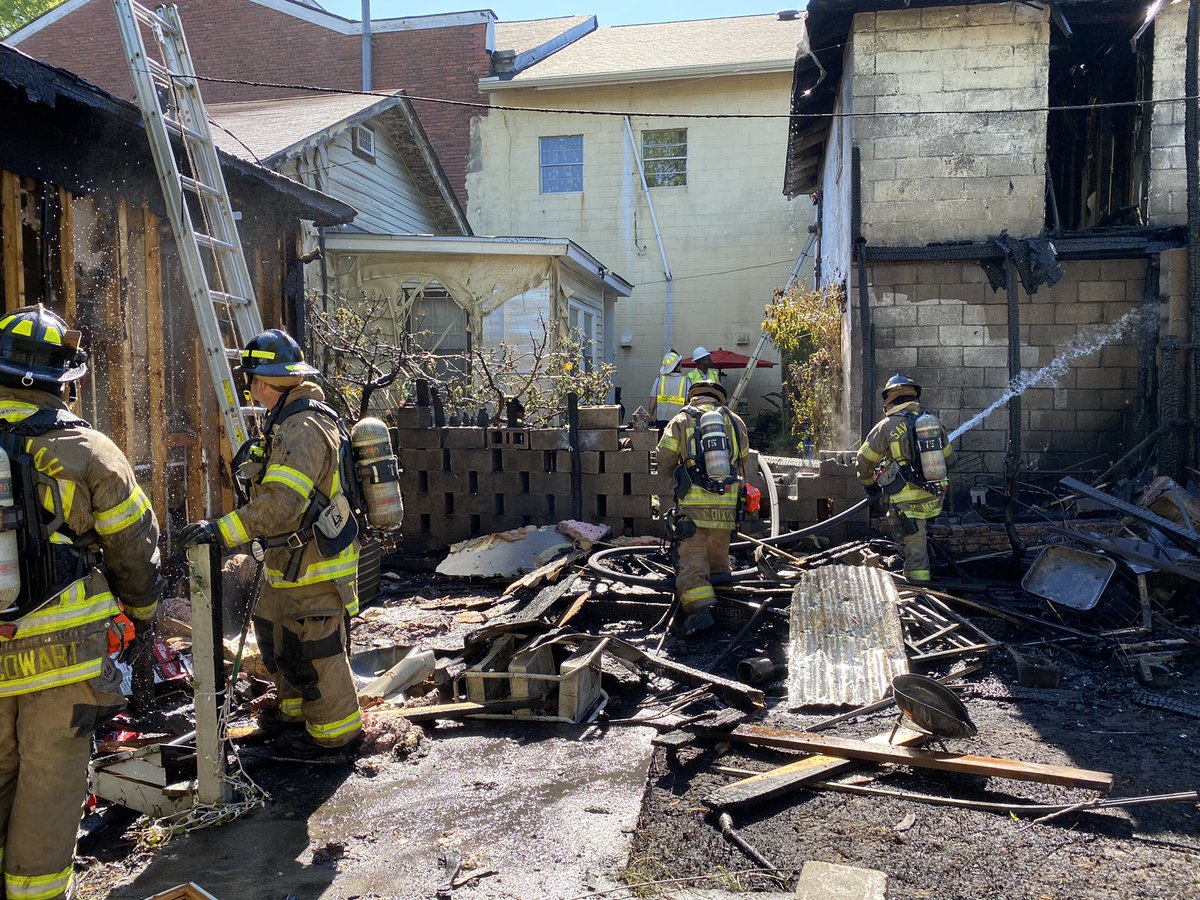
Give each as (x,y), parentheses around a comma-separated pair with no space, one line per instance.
(664,157)
(561,163)
(586,328)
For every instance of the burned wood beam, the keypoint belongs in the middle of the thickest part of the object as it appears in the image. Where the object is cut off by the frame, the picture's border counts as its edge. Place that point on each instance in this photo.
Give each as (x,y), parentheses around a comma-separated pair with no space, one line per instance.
(1178,532)
(731,691)
(10,227)
(985,766)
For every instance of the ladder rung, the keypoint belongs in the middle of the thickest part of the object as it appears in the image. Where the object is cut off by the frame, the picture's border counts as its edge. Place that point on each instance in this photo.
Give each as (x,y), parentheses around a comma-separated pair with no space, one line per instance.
(208,240)
(222,297)
(198,187)
(151,18)
(157,68)
(233,353)
(182,130)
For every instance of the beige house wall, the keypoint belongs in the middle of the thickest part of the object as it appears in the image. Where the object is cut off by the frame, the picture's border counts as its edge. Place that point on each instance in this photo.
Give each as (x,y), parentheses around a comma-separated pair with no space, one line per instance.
(731,237)
(955,174)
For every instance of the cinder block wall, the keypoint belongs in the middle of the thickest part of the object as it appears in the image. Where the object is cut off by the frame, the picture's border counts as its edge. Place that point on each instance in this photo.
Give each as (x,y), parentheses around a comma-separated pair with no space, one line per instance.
(984,171)
(1168,175)
(461,482)
(942,324)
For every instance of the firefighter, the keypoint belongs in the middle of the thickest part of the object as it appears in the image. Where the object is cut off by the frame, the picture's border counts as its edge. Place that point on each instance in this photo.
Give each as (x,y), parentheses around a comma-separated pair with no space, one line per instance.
(705,448)
(88,564)
(669,394)
(904,476)
(295,478)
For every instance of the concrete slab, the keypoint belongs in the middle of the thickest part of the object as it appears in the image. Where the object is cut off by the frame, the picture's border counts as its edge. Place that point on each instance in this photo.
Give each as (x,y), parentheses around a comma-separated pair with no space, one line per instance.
(831,881)
(550,812)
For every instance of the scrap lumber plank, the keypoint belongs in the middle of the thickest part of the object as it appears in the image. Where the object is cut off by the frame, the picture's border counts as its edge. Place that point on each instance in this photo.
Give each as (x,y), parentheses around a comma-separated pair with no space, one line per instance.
(155,364)
(66,253)
(458,710)
(846,643)
(1162,524)
(14,254)
(784,779)
(732,691)
(986,766)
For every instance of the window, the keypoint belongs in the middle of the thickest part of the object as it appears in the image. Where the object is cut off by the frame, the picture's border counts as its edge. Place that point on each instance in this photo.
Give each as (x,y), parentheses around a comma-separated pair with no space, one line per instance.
(562,164)
(363,142)
(664,157)
(441,326)
(586,328)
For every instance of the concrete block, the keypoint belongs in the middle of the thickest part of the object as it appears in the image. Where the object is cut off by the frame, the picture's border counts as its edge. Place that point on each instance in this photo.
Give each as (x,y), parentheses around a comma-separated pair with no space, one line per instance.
(603,439)
(646,485)
(1119,356)
(1052,420)
(628,507)
(627,461)
(940,314)
(463,438)
(421,460)
(411,416)
(558,483)
(548,439)
(521,460)
(589,462)
(479,461)
(440,482)
(1099,420)
(507,437)
(595,418)
(418,438)
(641,440)
(940,356)
(614,484)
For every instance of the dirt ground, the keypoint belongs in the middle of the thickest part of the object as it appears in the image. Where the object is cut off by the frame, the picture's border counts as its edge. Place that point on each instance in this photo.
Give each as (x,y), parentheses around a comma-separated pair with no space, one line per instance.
(1089,722)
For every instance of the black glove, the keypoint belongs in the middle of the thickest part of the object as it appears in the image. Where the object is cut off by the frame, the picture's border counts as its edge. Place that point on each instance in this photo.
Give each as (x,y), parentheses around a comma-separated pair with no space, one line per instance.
(875,495)
(202,532)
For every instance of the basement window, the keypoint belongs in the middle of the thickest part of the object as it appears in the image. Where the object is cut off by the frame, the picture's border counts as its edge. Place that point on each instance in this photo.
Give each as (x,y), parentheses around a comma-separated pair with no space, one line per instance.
(561,161)
(1098,159)
(664,157)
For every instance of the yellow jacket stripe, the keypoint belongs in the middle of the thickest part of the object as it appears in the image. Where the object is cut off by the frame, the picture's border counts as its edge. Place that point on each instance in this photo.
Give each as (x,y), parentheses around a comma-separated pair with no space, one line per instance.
(344,565)
(74,608)
(53,678)
(341,727)
(669,443)
(291,707)
(233,532)
(293,478)
(124,514)
(38,887)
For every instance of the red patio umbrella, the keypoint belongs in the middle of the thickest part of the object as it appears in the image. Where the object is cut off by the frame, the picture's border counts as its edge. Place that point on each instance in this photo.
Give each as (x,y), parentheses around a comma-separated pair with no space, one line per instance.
(728,359)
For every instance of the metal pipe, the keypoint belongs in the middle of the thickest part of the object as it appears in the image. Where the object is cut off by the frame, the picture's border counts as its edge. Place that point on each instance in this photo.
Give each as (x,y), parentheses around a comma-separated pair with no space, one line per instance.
(866,338)
(637,157)
(1191,151)
(725,821)
(366,45)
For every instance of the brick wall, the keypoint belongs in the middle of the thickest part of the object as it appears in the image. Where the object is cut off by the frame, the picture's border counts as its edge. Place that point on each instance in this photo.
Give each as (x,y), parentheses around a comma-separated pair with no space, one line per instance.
(984,171)
(460,482)
(239,39)
(942,324)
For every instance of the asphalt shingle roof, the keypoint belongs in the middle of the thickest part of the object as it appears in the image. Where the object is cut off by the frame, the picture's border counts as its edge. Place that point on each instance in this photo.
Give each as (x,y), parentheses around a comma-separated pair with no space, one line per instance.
(674,45)
(523,36)
(262,128)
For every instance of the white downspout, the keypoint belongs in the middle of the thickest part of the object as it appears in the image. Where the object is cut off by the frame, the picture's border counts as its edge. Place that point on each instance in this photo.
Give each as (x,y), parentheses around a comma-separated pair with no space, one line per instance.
(657,234)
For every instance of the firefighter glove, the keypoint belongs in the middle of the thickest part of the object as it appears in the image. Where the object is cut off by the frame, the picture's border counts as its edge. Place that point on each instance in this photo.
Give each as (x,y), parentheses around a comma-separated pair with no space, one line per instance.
(875,495)
(202,532)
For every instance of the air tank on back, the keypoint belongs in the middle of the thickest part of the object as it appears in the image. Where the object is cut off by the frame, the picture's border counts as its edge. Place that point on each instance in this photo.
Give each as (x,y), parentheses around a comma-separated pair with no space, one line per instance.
(930,447)
(378,473)
(715,445)
(10,566)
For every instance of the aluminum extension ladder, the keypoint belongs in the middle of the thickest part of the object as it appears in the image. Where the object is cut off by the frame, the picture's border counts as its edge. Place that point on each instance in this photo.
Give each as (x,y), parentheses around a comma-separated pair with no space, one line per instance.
(201,214)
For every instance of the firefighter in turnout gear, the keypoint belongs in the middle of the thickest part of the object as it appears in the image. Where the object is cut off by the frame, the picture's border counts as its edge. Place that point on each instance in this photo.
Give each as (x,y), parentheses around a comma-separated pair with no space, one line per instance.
(295,509)
(88,562)
(902,464)
(704,447)
(669,394)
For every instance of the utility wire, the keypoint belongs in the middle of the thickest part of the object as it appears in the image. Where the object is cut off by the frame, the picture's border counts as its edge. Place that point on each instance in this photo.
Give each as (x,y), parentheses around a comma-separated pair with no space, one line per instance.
(383,95)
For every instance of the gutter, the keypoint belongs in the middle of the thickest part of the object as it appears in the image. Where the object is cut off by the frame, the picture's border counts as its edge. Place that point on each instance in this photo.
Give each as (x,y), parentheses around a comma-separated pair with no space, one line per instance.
(673,73)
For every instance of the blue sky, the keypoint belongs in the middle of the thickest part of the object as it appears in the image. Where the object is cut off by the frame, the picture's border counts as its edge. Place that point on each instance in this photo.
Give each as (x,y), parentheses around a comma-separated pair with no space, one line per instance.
(609,12)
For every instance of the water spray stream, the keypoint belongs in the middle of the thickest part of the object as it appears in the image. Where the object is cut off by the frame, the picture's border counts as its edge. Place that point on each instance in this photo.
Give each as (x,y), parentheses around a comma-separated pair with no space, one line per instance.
(1083,344)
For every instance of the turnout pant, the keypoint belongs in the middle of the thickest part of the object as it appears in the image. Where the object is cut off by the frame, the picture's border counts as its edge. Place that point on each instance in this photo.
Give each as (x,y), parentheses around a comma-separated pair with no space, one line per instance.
(308,661)
(704,554)
(911,533)
(45,743)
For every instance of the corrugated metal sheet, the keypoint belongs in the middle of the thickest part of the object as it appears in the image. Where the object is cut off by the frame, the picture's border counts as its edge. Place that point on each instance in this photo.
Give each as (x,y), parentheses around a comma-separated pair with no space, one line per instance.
(846,640)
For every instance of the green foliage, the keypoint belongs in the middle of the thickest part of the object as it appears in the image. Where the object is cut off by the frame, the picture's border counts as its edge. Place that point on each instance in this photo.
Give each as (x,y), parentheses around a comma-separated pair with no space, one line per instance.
(17,13)
(806,326)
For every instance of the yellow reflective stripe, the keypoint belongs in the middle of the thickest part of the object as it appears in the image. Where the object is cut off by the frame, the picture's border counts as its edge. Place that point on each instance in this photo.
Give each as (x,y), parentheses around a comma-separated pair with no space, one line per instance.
(696,593)
(53,335)
(233,532)
(677,395)
(868,452)
(669,444)
(352,607)
(24,328)
(293,478)
(343,565)
(259,354)
(73,609)
(16,410)
(291,706)
(38,887)
(54,678)
(352,722)
(124,514)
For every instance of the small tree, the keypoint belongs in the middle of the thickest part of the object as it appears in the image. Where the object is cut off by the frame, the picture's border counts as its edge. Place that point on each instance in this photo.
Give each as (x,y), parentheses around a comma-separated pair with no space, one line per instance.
(806,326)
(368,359)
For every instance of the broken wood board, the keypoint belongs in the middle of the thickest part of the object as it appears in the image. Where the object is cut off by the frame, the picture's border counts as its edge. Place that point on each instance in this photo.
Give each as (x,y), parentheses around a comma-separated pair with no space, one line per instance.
(985,766)
(457,710)
(1165,525)
(846,642)
(785,779)
(732,691)
(550,572)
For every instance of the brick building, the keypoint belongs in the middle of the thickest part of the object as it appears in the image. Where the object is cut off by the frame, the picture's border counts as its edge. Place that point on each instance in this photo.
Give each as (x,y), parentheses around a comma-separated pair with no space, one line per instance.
(293,42)
(1001,186)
